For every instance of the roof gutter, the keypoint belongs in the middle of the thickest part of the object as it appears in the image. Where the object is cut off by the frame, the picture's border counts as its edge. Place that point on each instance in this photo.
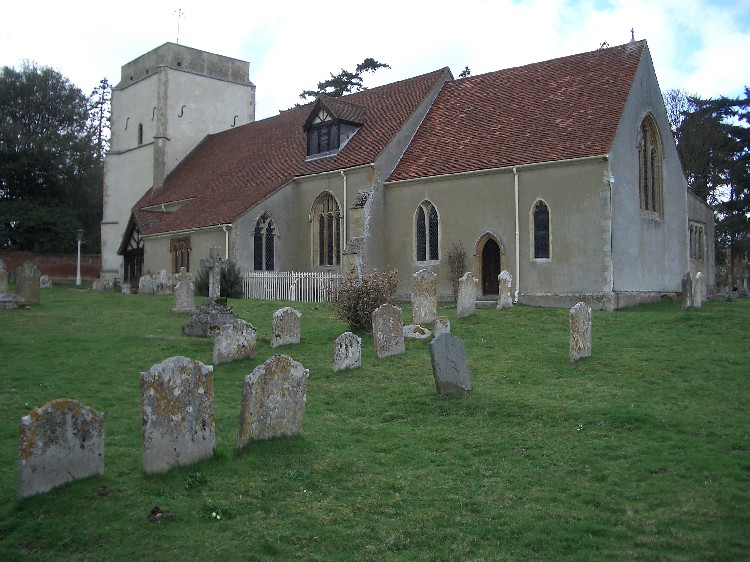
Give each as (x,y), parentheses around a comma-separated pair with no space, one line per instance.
(518,236)
(188,231)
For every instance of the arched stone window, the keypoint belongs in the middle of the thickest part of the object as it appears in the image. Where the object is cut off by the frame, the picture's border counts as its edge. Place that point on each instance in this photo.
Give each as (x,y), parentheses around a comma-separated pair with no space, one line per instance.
(650,166)
(540,218)
(427,232)
(264,240)
(326,219)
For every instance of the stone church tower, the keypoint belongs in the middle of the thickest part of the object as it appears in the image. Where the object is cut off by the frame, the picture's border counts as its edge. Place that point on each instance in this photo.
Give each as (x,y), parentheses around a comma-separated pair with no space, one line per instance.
(166,102)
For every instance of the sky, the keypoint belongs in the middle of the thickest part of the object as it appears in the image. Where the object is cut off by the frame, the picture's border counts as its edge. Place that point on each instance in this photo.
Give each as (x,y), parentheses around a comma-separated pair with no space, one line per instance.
(699,46)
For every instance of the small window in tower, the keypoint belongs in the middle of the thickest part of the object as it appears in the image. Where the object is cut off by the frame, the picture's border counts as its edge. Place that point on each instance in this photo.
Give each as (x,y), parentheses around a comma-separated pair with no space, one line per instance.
(140,133)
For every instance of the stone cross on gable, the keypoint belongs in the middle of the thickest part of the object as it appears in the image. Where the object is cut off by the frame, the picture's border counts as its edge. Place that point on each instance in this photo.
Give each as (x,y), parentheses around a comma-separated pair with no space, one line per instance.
(213,264)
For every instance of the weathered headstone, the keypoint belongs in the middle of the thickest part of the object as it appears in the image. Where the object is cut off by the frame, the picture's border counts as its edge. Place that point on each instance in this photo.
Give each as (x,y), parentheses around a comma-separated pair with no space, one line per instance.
(286,326)
(388,331)
(450,366)
(125,288)
(234,341)
(146,285)
(12,300)
(423,297)
(213,264)
(3,278)
(273,400)
(687,291)
(27,283)
(466,301)
(184,293)
(580,331)
(59,442)
(177,408)
(162,283)
(442,325)
(698,290)
(206,320)
(101,285)
(45,282)
(417,332)
(347,352)
(504,297)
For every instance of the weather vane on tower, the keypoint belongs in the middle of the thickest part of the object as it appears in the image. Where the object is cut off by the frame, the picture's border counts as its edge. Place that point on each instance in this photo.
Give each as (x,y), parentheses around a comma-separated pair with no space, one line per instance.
(180,14)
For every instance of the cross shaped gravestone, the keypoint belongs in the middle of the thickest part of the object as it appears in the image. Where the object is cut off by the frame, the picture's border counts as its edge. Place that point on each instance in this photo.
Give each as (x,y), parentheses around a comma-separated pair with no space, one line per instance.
(213,264)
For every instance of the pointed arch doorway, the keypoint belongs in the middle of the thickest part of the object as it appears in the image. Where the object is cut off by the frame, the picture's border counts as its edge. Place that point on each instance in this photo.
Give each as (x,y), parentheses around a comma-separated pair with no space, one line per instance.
(490,253)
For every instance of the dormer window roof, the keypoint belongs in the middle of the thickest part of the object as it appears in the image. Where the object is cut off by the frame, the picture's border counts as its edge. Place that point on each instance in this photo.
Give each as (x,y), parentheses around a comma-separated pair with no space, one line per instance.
(330,125)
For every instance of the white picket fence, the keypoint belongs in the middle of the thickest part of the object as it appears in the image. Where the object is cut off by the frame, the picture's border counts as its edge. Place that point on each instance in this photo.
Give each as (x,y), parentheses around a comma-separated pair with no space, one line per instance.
(291,286)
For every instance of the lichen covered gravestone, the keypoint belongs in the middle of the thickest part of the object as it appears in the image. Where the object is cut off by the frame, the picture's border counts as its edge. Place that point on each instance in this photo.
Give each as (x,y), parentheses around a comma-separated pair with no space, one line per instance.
(442,325)
(273,400)
(234,341)
(146,285)
(162,283)
(466,301)
(27,283)
(388,331)
(59,442)
(687,291)
(184,293)
(698,290)
(580,332)
(177,409)
(347,352)
(423,297)
(101,285)
(450,366)
(286,326)
(504,296)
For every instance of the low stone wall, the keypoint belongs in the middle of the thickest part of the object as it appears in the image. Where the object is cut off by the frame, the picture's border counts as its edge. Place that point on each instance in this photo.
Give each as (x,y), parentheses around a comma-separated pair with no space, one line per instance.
(60,268)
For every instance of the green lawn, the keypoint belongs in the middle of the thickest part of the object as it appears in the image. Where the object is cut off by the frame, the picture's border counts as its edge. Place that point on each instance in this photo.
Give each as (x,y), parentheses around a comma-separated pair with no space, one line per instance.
(641,451)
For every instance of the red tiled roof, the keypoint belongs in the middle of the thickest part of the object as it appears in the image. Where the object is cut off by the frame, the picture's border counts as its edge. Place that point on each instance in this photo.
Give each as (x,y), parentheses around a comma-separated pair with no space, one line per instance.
(229,172)
(560,109)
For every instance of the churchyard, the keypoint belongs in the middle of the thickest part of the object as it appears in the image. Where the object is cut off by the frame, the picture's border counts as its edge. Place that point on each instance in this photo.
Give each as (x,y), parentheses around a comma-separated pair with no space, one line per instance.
(639,451)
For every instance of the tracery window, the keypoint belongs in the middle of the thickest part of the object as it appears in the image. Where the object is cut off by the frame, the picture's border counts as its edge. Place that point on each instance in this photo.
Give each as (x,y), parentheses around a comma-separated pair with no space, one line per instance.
(427,232)
(326,218)
(180,248)
(697,240)
(264,243)
(540,218)
(650,166)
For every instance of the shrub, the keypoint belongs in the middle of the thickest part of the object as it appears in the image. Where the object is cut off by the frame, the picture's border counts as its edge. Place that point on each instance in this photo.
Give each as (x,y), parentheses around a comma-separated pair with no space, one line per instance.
(360,296)
(230,281)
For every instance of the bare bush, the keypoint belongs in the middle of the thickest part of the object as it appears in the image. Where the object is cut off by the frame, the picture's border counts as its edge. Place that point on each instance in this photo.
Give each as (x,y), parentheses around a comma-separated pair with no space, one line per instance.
(360,296)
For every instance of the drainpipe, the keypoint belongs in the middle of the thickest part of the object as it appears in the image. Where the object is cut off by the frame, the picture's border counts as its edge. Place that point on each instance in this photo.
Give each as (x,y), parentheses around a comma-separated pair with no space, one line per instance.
(518,236)
(343,175)
(226,242)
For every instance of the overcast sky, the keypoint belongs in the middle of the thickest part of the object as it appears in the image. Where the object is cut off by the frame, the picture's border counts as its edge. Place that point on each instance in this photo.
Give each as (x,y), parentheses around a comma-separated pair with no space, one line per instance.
(700,46)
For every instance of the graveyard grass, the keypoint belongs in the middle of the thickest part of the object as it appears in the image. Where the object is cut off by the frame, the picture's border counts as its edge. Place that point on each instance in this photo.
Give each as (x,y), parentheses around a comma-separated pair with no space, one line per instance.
(641,451)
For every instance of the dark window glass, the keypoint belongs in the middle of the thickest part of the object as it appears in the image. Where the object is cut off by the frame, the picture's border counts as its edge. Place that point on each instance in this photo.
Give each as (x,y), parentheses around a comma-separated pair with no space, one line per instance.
(433,234)
(421,235)
(541,231)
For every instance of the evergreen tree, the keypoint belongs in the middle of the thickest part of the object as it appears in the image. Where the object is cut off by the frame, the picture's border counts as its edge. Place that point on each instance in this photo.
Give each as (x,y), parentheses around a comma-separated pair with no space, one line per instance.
(345,82)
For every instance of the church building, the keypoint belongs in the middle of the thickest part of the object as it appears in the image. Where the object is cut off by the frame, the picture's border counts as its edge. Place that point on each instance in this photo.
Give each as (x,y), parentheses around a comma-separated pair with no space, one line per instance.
(564,173)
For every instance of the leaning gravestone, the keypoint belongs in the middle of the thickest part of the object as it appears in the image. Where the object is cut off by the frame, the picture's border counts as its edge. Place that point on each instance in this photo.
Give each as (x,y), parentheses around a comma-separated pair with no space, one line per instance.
(466,301)
(698,290)
(273,400)
(442,325)
(347,352)
(687,291)
(184,293)
(177,408)
(59,442)
(450,367)
(3,278)
(286,326)
(234,341)
(504,297)
(388,331)
(27,283)
(580,332)
(423,297)
(146,285)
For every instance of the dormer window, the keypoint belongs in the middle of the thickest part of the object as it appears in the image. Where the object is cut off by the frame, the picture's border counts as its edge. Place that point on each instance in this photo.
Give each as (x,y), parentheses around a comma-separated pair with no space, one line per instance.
(330,125)
(323,135)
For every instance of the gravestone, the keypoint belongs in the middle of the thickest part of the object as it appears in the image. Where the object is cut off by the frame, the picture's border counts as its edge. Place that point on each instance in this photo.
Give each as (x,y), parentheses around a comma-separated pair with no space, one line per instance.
(12,300)
(442,325)
(3,278)
(273,400)
(27,283)
(416,332)
(162,283)
(59,442)
(146,285)
(466,301)
(286,326)
(388,331)
(45,282)
(125,288)
(450,366)
(347,352)
(234,341)
(184,293)
(423,297)
(580,332)
(698,290)
(177,412)
(687,291)
(213,264)
(504,296)
(101,285)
